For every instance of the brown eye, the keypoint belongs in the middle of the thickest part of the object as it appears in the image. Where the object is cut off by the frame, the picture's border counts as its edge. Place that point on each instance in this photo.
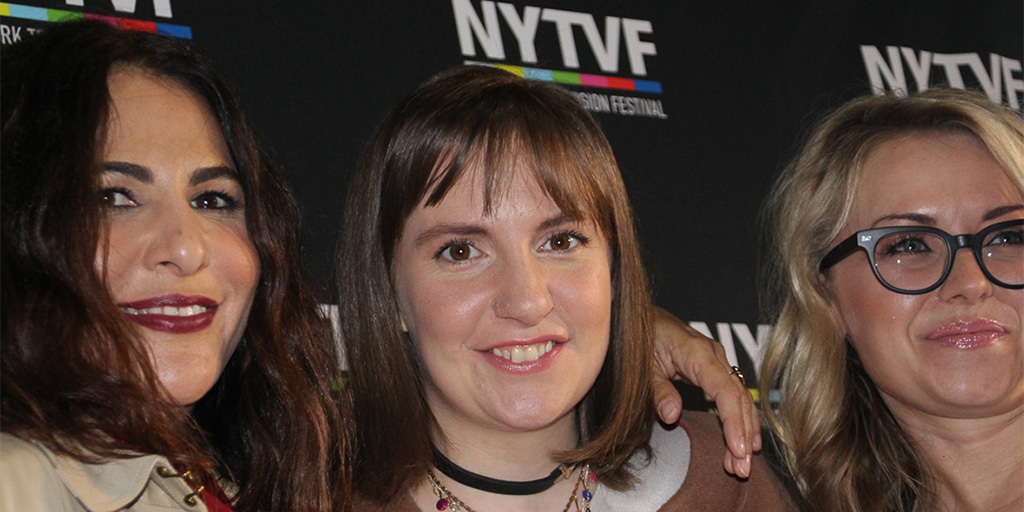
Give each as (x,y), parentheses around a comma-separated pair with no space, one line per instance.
(561,242)
(564,241)
(458,250)
(116,198)
(214,201)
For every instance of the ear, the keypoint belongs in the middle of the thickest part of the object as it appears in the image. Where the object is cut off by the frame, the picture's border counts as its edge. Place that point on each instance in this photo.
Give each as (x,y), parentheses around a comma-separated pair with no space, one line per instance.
(399,310)
(401,319)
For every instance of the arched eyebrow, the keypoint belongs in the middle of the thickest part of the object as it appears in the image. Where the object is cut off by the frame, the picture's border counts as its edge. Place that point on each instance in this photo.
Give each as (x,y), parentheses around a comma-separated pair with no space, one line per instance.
(995,213)
(145,175)
(448,229)
(928,220)
(917,218)
(204,174)
(557,221)
(134,171)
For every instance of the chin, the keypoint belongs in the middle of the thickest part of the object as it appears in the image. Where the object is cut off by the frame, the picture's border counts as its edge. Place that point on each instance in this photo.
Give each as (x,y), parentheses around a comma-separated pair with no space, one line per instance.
(980,399)
(186,390)
(529,415)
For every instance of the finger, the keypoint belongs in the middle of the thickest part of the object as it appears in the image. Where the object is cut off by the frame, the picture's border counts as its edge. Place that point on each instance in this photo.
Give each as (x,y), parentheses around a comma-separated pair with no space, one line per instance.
(735,425)
(742,467)
(755,415)
(750,419)
(667,399)
(751,437)
(741,422)
(740,444)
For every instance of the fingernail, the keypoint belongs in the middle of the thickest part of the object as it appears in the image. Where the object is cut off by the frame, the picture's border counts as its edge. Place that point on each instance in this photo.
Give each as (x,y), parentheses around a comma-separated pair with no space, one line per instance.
(666,409)
(742,445)
(757,442)
(743,468)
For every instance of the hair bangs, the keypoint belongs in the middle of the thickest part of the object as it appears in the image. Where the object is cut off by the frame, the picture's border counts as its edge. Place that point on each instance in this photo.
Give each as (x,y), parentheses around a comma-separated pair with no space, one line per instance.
(531,139)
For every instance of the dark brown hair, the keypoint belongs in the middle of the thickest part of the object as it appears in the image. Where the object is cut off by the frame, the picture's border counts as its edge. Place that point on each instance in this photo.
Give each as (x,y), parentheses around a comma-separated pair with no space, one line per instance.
(491,120)
(75,376)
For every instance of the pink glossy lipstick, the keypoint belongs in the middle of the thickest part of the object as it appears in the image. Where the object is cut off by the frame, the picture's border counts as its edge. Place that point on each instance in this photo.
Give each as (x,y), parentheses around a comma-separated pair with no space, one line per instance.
(174,313)
(967,334)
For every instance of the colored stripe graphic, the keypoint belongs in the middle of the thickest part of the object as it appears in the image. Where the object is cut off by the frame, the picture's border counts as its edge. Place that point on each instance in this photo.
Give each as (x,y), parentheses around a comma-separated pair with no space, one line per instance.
(28,12)
(569,78)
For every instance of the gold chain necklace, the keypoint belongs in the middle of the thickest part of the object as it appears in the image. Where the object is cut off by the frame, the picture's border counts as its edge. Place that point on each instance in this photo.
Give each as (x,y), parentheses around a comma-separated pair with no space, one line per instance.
(448,501)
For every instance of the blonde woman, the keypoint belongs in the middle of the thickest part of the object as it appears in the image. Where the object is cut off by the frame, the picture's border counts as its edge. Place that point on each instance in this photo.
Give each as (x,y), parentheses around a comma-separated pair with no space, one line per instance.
(898,268)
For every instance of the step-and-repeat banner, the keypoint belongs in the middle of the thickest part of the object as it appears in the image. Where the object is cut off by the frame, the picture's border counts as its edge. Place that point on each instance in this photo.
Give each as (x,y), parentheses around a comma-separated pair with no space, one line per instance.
(703,102)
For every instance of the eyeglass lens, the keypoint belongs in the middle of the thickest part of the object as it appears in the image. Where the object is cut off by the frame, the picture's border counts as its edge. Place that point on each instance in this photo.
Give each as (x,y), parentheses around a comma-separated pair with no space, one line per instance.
(915,260)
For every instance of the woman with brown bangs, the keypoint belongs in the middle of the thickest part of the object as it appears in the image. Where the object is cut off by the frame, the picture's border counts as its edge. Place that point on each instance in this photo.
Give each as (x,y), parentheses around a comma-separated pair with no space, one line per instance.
(160,348)
(497,318)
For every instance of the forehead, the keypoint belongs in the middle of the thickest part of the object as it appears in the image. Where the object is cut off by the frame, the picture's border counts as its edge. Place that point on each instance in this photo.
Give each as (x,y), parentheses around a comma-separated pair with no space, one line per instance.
(950,176)
(156,118)
(508,192)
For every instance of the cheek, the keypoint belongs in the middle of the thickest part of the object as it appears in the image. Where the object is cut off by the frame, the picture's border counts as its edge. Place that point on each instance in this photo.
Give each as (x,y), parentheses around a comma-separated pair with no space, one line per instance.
(242,267)
(235,265)
(438,309)
(117,254)
(587,293)
(878,322)
(869,311)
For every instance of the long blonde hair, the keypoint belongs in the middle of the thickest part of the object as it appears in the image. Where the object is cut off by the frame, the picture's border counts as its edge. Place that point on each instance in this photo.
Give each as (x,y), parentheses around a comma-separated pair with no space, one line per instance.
(838,439)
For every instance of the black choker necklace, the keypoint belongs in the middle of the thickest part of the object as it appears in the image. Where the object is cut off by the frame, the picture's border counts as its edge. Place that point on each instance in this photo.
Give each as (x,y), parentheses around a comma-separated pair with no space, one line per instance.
(493,485)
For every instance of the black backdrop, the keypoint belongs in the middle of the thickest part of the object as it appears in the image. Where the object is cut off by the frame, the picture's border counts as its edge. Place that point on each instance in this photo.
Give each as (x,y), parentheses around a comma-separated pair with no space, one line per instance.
(741,82)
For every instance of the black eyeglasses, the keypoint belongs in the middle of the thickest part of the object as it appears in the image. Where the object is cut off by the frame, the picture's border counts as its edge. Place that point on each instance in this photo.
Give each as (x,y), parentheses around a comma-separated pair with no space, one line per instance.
(917,259)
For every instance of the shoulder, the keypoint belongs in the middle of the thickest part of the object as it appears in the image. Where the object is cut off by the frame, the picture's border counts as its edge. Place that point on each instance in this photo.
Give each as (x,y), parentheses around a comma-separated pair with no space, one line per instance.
(708,483)
(656,479)
(34,478)
(29,479)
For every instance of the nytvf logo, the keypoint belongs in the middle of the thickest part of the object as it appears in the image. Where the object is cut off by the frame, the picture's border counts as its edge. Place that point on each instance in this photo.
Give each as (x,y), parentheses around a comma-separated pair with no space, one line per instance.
(162,8)
(1000,79)
(484,27)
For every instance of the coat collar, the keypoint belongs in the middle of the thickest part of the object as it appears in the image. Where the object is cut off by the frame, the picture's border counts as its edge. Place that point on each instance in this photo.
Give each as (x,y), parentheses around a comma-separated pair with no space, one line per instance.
(110,485)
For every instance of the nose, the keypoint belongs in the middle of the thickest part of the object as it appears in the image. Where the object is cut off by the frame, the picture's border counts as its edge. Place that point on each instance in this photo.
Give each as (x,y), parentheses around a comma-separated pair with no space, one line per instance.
(523,291)
(178,243)
(966,281)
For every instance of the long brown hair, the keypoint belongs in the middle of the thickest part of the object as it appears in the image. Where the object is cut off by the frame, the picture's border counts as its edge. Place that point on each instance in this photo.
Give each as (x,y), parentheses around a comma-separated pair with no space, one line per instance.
(75,376)
(418,152)
(840,442)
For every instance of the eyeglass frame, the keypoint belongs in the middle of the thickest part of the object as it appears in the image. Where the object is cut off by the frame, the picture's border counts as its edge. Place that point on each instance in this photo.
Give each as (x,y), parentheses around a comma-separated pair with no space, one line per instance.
(867,239)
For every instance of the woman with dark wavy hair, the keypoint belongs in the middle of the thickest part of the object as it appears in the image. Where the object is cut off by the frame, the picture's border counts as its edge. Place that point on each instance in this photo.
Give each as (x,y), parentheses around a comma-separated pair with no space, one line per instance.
(160,346)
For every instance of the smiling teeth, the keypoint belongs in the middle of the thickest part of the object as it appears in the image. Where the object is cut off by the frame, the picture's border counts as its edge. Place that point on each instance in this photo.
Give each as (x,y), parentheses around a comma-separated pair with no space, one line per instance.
(524,354)
(167,310)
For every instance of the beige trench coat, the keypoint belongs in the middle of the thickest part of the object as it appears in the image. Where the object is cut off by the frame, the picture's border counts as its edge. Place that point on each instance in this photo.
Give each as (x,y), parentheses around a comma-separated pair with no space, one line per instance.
(32,478)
